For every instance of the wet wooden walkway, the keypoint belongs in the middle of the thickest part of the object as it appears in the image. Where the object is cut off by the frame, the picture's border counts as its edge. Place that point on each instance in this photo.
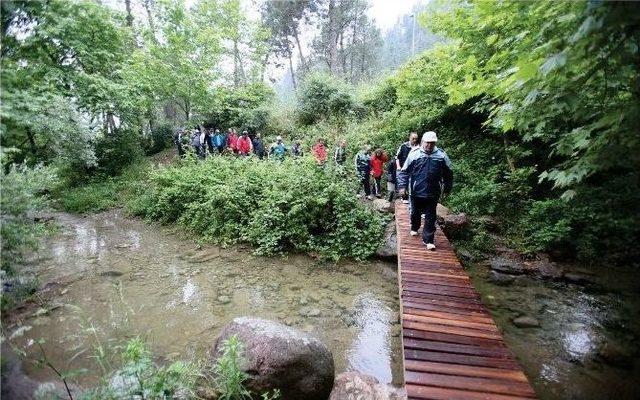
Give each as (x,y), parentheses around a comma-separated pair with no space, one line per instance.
(452,347)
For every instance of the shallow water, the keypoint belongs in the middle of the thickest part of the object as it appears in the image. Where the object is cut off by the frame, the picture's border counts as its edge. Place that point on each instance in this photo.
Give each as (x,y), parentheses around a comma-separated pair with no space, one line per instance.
(582,329)
(130,278)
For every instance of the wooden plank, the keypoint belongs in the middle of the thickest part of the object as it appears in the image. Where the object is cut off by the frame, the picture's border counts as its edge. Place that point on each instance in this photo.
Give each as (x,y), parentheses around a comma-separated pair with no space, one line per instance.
(448,315)
(487,385)
(483,326)
(409,332)
(465,370)
(454,330)
(461,277)
(463,359)
(436,393)
(419,344)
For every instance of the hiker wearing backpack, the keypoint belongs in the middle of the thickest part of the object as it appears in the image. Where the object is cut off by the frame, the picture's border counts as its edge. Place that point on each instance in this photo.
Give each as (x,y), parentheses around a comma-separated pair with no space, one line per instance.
(258,146)
(363,170)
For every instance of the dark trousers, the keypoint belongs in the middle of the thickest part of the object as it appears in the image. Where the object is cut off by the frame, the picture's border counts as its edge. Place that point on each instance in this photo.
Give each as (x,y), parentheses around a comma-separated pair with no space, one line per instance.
(180,150)
(364,181)
(426,206)
(220,149)
(210,147)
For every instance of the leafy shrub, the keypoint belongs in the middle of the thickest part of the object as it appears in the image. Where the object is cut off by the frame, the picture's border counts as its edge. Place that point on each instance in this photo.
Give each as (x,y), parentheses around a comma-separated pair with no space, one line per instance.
(161,138)
(229,377)
(273,205)
(24,190)
(323,96)
(117,150)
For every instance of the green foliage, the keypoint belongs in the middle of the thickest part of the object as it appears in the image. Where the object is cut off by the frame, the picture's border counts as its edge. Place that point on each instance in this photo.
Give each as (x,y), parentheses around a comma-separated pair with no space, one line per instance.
(229,376)
(23,192)
(140,377)
(243,107)
(101,192)
(323,96)
(275,206)
(118,150)
(161,138)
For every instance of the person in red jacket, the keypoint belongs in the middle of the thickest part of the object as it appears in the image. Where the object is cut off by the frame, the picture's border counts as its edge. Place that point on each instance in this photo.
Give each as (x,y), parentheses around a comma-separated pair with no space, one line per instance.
(319,152)
(377,167)
(232,141)
(245,147)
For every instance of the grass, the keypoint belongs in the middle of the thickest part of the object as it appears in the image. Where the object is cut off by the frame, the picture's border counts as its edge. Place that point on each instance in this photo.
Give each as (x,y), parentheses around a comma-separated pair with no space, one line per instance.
(101,193)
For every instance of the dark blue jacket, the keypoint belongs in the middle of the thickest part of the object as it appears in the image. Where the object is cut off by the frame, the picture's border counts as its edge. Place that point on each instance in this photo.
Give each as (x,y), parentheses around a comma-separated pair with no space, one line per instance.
(427,173)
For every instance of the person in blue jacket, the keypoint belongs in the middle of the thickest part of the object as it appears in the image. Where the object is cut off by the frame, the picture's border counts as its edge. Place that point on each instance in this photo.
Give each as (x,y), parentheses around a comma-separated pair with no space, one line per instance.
(219,141)
(428,171)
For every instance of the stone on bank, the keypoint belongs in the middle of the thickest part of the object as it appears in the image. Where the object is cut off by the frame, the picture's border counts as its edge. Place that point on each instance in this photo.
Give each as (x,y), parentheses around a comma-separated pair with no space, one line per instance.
(280,357)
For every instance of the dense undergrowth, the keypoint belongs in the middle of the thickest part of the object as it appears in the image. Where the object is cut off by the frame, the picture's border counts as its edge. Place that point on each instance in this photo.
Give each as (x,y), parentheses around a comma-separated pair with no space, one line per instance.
(275,206)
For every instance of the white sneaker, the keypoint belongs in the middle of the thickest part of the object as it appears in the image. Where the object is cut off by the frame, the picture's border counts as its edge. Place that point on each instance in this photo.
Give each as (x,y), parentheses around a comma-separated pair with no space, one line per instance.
(413,233)
(431,246)
(359,196)
(405,201)
(370,197)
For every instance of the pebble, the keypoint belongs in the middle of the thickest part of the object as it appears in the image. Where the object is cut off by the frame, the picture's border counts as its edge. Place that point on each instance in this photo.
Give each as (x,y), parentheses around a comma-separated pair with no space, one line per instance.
(224,299)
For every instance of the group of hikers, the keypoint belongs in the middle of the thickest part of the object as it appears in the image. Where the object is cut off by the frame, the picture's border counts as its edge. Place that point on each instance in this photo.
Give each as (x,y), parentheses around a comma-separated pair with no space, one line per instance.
(419,173)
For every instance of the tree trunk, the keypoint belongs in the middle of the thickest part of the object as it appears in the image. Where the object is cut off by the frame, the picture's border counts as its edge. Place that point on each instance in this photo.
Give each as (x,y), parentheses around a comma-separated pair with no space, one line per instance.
(353,49)
(236,74)
(148,7)
(127,4)
(333,37)
(303,63)
(264,66)
(32,142)
(293,74)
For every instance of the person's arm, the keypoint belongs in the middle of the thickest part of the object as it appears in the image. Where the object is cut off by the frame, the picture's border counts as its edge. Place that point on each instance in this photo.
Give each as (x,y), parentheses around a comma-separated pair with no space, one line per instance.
(447,175)
(402,174)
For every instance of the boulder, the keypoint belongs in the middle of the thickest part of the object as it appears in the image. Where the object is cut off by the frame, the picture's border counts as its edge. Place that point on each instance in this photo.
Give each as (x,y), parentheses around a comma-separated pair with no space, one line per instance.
(382,205)
(500,279)
(526,322)
(389,247)
(279,357)
(358,386)
(577,278)
(455,225)
(507,266)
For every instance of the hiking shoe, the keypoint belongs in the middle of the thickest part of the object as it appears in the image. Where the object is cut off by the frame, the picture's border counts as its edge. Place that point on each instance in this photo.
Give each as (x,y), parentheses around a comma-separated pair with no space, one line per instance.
(358,196)
(430,246)
(413,233)
(370,197)
(405,201)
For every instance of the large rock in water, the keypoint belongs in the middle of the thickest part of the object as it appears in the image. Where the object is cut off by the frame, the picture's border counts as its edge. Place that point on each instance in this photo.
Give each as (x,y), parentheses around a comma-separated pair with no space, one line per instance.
(357,386)
(280,357)
(389,247)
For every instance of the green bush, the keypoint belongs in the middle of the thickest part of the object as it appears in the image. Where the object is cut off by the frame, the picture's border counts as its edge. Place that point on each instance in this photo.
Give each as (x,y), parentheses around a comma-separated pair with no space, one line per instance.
(117,150)
(275,206)
(323,96)
(24,190)
(161,138)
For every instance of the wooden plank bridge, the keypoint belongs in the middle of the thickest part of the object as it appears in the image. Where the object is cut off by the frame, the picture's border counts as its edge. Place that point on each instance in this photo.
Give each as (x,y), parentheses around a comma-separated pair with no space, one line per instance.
(452,347)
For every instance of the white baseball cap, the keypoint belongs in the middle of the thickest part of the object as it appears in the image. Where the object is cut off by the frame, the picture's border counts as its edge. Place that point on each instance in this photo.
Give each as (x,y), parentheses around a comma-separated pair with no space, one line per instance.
(429,137)
(278,137)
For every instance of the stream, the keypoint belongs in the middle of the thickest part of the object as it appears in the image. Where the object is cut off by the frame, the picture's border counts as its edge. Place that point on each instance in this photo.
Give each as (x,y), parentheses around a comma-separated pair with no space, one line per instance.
(122,277)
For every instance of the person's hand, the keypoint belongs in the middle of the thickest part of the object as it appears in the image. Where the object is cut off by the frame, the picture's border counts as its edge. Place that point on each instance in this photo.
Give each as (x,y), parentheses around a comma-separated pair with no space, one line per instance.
(402,193)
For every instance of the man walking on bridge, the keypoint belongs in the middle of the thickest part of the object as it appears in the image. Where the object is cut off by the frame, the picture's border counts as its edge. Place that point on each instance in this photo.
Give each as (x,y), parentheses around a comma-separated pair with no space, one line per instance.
(428,171)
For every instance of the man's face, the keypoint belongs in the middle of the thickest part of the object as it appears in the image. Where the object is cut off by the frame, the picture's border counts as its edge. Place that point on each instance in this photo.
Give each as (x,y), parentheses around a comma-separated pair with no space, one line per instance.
(413,138)
(343,144)
(429,146)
